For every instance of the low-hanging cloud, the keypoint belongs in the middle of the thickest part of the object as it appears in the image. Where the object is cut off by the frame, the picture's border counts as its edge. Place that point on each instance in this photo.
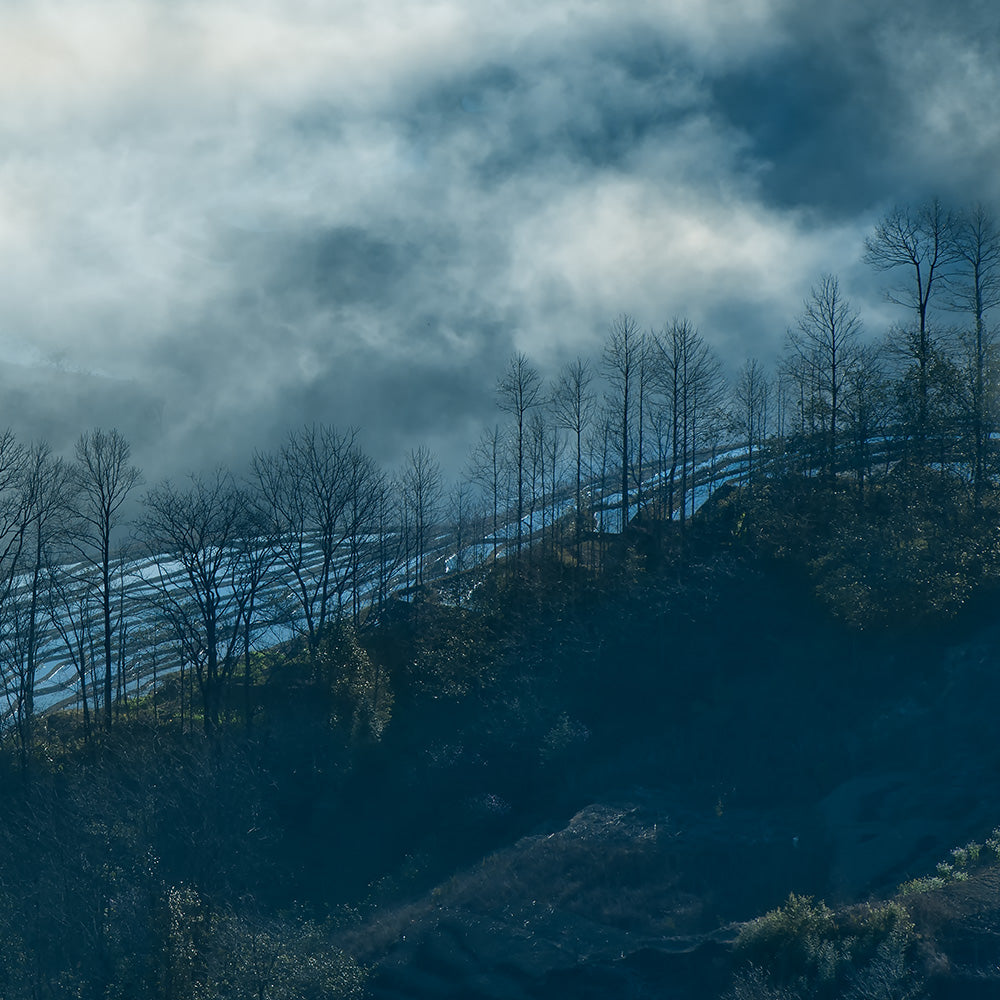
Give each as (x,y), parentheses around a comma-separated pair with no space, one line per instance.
(233,218)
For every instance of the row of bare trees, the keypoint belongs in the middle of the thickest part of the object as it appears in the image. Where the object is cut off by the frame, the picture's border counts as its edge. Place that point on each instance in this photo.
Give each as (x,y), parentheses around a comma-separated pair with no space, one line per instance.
(57,520)
(655,410)
(203,573)
(929,385)
(643,415)
(317,533)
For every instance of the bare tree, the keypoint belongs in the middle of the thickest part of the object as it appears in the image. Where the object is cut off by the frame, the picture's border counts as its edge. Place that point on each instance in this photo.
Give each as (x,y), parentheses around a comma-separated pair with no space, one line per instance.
(201,532)
(545,447)
(660,431)
(307,489)
(866,408)
(14,510)
(46,486)
(486,467)
(704,395)
(797,391)
(715,430)
(600,445)
(822,350)
(926,391)
(536,471)
(555,446)
(921,241)
(643,388)
(461,512)
(974,288)
(624,354)
(104,479)
(689,379)
(573,407)
(391,551)
(257,552)
(70,603)
(519,390)
(670,353)
(367,483)
(750,400)
(422,486)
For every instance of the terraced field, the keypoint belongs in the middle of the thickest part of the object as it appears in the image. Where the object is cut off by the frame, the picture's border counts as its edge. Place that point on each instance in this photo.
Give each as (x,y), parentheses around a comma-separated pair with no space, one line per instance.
(148,637)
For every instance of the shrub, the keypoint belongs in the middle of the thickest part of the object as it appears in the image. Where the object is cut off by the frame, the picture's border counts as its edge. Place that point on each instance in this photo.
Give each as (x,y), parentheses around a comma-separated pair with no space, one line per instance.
(956,869)
(993,843)
(806,947)
(787,941)
(752,984)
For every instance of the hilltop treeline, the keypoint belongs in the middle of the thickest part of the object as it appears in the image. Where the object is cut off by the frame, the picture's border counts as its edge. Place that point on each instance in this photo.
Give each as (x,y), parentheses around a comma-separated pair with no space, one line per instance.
(215,568)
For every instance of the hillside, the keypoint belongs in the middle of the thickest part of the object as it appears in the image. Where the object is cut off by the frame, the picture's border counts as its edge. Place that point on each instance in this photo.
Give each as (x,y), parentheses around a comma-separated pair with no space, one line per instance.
(736,751)
(578,784)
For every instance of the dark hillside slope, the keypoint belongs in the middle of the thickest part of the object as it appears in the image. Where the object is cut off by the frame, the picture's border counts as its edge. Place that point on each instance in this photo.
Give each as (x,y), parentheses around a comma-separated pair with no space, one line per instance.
(716,740)
(580,784)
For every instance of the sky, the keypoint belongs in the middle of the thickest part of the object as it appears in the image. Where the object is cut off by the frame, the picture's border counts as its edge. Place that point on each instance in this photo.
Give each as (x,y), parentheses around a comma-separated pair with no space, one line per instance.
(222,219)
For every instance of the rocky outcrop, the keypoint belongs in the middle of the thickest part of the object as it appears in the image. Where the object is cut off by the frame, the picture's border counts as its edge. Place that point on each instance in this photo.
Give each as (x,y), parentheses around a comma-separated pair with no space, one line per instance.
(619,895)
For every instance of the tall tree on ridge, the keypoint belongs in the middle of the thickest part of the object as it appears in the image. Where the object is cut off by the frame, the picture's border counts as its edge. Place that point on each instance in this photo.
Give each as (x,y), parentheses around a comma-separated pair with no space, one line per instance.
(306,486)
(623,358)
(519,390)
(923,242)
(204,529)
(486,468)
(825,347)
(974,287)
(573,406)
(750,409)
(689,378)
(421,481)
(47,503)
(865,407)
(104,481)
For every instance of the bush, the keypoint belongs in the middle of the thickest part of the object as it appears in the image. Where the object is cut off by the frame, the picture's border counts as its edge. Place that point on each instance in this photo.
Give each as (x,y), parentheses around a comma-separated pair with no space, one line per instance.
(956,869)
(805,947)
(752,984)
(788,941)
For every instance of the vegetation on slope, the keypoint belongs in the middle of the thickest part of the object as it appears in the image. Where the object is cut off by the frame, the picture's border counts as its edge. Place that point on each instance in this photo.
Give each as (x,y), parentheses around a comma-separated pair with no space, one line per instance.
(346,778)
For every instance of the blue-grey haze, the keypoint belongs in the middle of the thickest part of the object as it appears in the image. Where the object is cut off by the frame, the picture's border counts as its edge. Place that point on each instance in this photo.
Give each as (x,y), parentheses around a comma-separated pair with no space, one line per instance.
(219,220)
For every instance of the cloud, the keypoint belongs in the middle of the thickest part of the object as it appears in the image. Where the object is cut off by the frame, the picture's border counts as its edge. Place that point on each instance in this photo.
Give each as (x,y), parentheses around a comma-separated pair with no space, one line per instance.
(264,213)
(949,77)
